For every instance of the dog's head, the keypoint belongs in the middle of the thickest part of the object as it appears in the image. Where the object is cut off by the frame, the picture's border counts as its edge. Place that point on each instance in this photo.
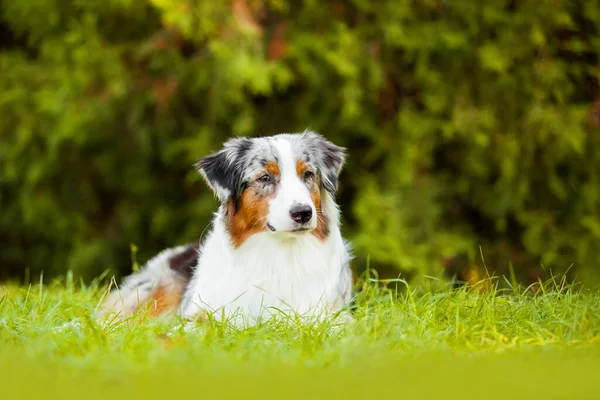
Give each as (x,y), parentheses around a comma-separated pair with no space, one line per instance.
(274,184)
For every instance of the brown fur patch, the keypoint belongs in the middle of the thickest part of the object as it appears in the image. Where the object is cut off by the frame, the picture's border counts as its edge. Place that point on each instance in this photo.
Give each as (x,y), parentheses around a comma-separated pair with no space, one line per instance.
(322,229)
(301,167)
(253,207)
(272,168)
(164,299)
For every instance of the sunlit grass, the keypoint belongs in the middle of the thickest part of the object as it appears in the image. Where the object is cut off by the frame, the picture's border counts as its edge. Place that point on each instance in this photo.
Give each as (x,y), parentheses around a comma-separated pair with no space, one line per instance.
(541,341)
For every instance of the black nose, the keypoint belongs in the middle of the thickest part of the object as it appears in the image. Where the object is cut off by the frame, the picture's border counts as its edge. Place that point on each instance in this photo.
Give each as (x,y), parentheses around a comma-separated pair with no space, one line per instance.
(301,213)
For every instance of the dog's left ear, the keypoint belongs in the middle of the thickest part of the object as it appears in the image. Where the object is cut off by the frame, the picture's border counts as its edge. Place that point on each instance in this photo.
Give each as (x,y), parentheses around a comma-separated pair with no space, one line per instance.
(332,159)
(222,170)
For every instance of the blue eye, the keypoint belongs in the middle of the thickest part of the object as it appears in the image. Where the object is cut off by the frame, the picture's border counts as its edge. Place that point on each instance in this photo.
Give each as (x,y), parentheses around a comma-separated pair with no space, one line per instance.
(266,178)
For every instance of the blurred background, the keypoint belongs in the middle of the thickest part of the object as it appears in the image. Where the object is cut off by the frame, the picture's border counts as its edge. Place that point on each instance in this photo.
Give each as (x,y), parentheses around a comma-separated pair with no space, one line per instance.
(473,127)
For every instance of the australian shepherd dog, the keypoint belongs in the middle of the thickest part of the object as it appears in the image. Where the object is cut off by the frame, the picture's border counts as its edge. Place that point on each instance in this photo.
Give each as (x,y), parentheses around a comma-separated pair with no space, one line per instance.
(274,247)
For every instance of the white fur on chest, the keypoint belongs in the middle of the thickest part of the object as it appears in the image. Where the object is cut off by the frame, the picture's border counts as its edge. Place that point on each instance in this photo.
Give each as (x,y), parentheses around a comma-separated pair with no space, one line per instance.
(268,275)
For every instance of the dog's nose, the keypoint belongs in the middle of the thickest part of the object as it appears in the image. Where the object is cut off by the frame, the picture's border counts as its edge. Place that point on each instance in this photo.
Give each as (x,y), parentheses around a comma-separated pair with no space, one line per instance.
(301,213)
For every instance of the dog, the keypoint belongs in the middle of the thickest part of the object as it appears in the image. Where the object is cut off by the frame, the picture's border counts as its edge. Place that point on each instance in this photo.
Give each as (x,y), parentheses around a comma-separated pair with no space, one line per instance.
(275,246)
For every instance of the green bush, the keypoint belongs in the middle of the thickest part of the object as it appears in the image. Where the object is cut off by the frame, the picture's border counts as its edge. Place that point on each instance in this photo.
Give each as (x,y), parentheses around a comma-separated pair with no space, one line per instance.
(468,124)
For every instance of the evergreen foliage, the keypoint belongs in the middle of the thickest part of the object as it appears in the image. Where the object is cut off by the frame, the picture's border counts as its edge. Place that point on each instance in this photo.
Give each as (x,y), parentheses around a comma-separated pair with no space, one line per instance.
(468,124)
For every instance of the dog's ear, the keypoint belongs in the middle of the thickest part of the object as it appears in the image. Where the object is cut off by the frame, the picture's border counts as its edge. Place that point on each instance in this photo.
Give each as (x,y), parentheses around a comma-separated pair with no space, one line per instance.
(223,170)
(332,158)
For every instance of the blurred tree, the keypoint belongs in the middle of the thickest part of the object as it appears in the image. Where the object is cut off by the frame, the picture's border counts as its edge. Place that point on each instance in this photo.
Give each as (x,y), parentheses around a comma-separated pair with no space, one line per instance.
(468,124)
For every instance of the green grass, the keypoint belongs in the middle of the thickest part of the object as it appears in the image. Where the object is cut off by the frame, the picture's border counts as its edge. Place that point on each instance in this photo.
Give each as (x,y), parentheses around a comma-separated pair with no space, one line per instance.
(542,343)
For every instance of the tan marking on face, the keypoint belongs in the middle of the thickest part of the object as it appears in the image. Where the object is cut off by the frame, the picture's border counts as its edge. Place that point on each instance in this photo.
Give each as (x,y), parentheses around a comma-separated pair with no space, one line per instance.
(301,167)
(250,215)
(322,229)
(272,168)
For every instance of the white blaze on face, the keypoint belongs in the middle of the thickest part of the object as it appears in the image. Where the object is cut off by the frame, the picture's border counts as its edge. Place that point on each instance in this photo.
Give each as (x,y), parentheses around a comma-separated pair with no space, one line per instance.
(292,191)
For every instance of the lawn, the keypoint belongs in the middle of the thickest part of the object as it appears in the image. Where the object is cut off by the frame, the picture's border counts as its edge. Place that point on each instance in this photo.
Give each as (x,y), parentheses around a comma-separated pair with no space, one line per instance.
(539,342)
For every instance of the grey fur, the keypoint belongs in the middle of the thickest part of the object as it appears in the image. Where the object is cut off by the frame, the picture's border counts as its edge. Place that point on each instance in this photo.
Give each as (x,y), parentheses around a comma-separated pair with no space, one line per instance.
(228,170)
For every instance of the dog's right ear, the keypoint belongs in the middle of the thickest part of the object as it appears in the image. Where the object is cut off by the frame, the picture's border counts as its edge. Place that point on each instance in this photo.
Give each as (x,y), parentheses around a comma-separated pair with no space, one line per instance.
(223,170)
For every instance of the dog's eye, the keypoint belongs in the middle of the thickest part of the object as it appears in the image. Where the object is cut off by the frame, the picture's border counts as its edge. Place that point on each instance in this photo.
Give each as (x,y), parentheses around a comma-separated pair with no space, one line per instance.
(266,178)
(307,175)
